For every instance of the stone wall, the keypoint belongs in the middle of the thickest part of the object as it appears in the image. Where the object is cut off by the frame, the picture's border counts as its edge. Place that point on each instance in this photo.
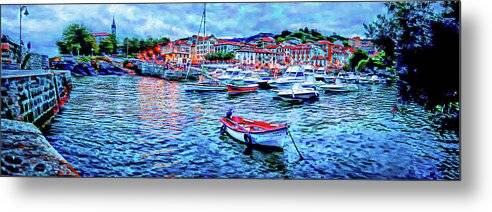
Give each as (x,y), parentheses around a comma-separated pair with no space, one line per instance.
(33,96)
(37,61)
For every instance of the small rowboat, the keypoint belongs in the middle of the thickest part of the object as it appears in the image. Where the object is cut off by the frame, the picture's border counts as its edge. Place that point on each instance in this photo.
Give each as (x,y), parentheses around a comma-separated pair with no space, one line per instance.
(255,133)
(233,89)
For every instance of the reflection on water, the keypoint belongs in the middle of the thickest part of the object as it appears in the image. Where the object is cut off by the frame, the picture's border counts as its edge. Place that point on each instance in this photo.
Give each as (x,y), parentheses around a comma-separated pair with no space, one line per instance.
(140,126)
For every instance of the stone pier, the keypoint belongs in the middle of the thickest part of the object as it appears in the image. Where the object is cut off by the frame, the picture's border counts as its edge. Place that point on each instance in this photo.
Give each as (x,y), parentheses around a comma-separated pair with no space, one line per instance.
(33,96)
(29,100)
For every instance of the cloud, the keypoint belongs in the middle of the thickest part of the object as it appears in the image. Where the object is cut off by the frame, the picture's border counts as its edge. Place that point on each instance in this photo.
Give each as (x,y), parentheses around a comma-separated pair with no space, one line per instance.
(45,24)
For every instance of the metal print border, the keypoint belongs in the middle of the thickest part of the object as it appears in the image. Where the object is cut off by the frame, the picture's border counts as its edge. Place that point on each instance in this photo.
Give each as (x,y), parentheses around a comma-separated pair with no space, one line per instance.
(282,2)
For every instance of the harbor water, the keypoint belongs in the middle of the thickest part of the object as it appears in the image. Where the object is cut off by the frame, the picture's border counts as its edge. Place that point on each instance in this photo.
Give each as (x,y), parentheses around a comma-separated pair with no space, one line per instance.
(131,126)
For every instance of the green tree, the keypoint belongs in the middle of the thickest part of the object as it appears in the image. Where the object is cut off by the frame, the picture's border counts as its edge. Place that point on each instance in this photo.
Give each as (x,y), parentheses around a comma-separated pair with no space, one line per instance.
(77,38)
(107,46)
(220,56)
(421,38)
(354,60)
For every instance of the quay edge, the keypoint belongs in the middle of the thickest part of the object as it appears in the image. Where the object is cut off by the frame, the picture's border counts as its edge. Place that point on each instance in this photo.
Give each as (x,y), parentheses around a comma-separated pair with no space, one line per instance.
(29,100)
(26,152)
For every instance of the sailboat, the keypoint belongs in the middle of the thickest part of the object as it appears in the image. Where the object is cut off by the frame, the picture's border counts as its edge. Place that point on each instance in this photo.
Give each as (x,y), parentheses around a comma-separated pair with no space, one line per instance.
(203,85)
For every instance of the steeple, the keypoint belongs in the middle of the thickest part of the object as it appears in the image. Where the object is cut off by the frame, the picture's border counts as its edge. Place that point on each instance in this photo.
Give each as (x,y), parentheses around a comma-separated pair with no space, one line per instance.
(113,27)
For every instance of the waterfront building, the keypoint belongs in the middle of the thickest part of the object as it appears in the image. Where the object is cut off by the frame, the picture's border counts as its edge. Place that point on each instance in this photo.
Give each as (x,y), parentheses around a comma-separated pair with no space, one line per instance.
(177,52)
(368,46)
(99,36)
(265,41)
(251,56)
(341,55)
(355,42)
(10,50)
(204,45)
(278,53)
(227,46)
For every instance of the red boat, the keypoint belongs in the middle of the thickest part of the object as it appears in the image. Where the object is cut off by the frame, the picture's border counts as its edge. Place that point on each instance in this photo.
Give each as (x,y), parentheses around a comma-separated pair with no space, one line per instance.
(252,132)
(239,89)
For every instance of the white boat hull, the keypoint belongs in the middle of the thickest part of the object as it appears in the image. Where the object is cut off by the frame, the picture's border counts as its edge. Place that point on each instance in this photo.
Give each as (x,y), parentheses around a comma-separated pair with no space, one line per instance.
(340,88)
(271,139)
(198,88)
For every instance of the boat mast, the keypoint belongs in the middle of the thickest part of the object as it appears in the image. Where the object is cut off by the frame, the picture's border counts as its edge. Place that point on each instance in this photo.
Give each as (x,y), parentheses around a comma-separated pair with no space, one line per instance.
(202,24)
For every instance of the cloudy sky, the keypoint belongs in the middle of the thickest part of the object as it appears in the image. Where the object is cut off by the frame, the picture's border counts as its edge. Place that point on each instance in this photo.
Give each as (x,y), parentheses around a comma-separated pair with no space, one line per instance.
(45,23)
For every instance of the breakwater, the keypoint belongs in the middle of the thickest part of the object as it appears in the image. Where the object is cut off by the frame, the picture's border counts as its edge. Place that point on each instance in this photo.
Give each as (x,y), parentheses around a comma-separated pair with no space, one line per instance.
(33,96)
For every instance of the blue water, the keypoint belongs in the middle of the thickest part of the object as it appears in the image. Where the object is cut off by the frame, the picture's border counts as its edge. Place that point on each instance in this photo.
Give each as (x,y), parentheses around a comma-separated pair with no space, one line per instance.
(146,127)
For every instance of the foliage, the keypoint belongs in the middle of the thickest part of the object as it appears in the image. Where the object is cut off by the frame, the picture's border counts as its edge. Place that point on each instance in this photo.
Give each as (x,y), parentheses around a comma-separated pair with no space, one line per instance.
(77,39)
(220,56)
(108,45)
(84,59)
(422,39)
(136,45)
(303,34)
(354,60)
(345,43)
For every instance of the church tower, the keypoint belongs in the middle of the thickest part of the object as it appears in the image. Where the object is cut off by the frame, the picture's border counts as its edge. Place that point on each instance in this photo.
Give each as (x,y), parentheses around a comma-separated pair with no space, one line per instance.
(113,28)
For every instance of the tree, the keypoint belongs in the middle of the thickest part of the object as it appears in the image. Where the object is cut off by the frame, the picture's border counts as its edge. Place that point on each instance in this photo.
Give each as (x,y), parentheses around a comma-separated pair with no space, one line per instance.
(106,46)
(75,36)
(356,58)
(220,56)
(422,39)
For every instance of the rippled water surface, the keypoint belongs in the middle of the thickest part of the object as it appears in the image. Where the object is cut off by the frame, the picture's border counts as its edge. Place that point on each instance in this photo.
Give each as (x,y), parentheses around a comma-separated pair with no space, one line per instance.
(148,127)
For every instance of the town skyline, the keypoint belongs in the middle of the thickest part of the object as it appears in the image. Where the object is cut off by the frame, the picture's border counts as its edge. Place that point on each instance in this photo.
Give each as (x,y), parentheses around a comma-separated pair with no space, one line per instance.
(182,20)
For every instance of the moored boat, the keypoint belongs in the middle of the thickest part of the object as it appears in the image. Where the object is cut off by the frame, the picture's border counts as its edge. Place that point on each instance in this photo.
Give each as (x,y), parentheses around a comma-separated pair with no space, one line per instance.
(298,94)
(319,74)
(375,79)
(206,86)
(330,78)
(234,89)
(254,133)
(364,79)
(229,74)
(340,87)
(263,82)
(352,78)
(250,77)
(293,75)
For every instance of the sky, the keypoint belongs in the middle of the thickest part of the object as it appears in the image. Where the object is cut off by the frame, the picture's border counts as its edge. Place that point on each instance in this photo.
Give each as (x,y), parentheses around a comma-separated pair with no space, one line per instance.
(45,23)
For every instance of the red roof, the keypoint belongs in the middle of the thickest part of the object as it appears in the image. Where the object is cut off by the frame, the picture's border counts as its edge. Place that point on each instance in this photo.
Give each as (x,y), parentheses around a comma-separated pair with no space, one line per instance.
(297,47)
(325,42)
(262,51)
(271,46)
(233,43)
(267,39)
(202,38)
(5,46)
(99,34)
(181,42)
